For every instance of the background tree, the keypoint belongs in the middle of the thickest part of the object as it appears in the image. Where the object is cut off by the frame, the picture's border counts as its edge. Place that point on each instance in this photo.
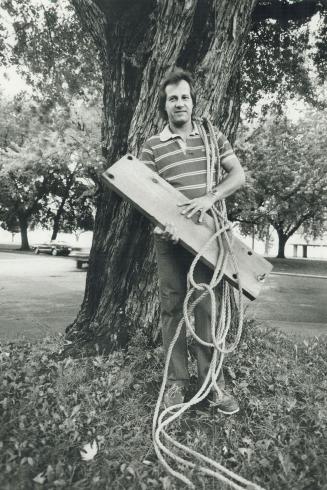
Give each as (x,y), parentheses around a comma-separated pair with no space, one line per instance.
(283,48)
(70,205)
(46,155)
(9,223)
(22,191)
(50,50)
(287,184)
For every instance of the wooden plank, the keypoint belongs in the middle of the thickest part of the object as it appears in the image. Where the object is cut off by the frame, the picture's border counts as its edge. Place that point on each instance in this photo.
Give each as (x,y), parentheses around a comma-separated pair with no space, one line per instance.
(158,200)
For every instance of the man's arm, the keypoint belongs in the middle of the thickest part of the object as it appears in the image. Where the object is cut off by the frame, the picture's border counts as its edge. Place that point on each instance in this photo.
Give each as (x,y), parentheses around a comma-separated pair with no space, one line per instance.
(234,179)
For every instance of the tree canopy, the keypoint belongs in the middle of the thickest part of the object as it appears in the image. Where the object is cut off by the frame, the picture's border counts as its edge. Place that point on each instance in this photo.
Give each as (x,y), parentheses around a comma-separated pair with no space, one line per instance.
(46,155)
(54,133)
(287,178)
(50,49)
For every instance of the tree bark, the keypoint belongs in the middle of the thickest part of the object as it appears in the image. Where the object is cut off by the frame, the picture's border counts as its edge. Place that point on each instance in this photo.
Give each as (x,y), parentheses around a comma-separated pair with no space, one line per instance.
(23,224)
(138,42)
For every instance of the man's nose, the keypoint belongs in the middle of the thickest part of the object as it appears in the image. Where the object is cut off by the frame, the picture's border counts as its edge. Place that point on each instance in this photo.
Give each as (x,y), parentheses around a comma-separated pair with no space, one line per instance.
(179,102)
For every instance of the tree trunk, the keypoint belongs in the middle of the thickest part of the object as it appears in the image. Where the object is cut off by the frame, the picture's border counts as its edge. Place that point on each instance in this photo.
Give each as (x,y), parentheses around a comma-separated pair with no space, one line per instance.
(138,42)
(282,239)
(267,241)
(55,228)
(23,224)
(60,210)
(56,220)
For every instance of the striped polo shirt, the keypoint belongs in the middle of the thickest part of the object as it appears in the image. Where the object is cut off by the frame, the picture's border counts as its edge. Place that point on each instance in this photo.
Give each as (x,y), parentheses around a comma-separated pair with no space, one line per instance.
(182,163)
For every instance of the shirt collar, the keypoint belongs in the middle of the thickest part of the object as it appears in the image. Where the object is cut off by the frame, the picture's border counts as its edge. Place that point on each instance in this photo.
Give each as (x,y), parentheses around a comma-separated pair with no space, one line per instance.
(166,133)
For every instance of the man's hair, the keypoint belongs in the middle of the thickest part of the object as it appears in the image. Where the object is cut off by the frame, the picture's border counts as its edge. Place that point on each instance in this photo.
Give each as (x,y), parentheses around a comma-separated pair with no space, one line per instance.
(173,77)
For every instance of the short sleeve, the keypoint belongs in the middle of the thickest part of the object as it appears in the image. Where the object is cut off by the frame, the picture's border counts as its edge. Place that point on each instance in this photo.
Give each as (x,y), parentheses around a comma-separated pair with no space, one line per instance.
(147,156)
(225,148)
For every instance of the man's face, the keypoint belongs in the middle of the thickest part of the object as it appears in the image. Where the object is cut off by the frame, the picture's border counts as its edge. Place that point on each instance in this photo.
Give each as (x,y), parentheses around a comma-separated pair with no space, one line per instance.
(179,104)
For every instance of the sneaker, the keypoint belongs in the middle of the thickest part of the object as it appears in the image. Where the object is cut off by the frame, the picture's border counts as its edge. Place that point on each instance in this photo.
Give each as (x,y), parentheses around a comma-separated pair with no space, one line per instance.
(226,403)
(174,395)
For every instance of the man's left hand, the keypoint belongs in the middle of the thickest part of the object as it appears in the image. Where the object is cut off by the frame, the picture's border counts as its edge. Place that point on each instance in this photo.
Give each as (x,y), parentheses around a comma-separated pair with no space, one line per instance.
(198,205)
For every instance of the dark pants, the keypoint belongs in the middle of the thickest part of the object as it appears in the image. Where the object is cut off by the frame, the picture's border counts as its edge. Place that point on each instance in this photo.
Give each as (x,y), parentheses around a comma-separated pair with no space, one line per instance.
(173,265)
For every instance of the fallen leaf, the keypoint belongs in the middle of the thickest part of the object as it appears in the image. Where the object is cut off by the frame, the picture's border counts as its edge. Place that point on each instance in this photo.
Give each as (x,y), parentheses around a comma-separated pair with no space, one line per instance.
(75,410)
(40,478)
(131,470)
(89,451)
(246,452)
(59,483)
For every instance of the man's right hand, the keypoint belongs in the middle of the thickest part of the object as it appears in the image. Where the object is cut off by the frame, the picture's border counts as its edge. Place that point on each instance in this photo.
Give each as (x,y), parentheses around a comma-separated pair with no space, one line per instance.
(169,233)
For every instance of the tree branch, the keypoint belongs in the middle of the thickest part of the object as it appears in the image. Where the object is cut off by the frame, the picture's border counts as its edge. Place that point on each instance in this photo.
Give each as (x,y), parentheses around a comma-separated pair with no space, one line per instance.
(299,223)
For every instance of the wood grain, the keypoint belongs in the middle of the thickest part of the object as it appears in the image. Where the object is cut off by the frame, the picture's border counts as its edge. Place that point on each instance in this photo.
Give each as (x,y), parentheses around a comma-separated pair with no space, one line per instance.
(159,201)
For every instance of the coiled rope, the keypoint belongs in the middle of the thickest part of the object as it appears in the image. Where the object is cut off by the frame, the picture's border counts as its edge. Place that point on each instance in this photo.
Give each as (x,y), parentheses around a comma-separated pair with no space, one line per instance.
(177,452)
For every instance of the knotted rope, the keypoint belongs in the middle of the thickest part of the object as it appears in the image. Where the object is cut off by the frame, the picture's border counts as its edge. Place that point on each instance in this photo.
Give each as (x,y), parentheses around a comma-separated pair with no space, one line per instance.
(219,329)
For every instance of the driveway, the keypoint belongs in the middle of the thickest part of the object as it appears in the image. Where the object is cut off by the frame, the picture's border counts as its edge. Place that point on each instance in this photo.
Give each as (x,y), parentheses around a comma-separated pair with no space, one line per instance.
(39,294)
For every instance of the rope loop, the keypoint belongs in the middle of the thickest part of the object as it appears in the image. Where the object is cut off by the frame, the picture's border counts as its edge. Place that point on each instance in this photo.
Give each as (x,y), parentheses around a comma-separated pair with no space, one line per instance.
(222,301)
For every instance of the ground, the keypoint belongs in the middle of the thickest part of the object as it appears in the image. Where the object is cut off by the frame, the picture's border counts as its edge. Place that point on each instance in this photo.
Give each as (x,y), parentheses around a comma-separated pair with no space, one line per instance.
(41,294)
(293,298)
(53,407)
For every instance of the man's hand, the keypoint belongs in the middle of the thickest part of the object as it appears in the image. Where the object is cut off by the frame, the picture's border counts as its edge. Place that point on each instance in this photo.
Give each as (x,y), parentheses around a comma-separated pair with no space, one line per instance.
(169,234)
(198,205)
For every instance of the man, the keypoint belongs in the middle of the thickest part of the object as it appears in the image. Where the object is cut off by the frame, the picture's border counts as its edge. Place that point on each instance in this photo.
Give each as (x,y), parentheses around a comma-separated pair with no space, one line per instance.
(178,155)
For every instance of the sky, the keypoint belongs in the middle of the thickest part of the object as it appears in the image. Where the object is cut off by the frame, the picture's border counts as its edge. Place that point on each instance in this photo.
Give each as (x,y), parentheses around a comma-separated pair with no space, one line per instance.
(11,83)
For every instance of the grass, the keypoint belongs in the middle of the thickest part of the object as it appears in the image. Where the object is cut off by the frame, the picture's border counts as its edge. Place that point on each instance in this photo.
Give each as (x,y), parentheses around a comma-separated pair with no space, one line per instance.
(299,266)
(51,408)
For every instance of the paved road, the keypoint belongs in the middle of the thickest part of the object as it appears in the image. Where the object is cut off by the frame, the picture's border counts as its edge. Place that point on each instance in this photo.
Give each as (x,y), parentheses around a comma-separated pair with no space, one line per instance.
(293,303)
(39,294)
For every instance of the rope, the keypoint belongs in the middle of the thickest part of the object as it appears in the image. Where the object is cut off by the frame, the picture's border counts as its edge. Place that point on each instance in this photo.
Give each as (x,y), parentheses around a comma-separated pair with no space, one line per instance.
(177,452)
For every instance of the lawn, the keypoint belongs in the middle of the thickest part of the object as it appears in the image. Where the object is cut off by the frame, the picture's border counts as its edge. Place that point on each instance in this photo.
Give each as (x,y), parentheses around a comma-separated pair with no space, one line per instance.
(299,266)
(52,408)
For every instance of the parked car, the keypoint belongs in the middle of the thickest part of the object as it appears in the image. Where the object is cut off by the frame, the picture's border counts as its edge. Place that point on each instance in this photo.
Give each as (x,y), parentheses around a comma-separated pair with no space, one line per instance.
(53,248)
(81,256)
